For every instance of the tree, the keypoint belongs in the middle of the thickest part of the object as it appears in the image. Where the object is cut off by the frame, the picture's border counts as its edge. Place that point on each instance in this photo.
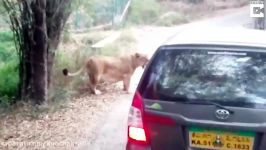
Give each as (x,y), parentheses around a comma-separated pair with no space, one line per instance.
(37,26)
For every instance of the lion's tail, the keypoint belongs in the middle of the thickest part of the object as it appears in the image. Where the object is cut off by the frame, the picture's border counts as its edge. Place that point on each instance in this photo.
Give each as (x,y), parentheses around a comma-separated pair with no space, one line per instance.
(66,73)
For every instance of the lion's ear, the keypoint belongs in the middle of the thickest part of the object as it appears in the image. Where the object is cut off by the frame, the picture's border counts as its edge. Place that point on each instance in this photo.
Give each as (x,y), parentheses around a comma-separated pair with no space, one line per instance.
(137,55)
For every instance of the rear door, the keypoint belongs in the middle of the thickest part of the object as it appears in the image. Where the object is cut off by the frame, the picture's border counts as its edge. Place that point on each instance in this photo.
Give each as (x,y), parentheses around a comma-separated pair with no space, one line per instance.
(209,97)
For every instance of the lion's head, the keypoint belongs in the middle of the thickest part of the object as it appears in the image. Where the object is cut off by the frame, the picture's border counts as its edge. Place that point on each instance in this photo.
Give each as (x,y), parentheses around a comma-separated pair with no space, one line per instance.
(140,59)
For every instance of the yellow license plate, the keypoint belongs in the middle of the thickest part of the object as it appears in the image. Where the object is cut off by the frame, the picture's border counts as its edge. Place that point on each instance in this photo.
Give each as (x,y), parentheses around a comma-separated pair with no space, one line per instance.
(220,140)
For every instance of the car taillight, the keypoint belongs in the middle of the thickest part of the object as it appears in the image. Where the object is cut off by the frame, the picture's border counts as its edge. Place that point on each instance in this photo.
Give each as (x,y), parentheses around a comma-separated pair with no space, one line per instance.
(136,130)
(137,134)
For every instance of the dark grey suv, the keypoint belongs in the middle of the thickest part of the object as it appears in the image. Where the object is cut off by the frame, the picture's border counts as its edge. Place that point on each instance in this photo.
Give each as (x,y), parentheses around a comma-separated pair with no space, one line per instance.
(202,91)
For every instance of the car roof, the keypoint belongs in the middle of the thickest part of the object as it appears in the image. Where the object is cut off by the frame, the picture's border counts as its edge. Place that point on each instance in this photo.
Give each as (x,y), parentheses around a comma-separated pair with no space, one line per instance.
(219,36)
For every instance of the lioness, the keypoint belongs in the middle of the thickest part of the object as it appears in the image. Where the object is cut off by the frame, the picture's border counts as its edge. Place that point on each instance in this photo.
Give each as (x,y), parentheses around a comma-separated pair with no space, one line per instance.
(110,69)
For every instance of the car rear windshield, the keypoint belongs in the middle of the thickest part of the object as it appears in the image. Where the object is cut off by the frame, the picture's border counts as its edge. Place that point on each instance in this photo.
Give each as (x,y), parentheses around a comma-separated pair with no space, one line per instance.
(232,78)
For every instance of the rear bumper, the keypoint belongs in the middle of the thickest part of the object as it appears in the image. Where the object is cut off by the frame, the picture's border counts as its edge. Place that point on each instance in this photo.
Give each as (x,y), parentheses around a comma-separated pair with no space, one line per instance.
(133,146)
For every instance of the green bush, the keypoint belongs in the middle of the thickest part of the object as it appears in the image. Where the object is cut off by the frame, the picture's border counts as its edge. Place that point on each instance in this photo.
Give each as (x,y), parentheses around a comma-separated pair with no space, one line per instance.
(6,36)
(9,78)
(144,11)
(7,48)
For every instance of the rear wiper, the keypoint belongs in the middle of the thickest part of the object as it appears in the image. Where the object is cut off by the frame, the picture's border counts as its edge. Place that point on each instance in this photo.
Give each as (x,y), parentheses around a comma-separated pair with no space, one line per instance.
(186,100)
(208,103)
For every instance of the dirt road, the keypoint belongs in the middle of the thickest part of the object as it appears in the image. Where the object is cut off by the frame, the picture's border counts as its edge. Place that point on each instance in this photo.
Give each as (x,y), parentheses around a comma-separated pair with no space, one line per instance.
(112,131)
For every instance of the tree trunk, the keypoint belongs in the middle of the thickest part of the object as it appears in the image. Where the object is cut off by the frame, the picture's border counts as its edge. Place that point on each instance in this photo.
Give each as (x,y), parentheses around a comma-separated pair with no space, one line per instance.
(26,47)
(56,19)
(39,53)
(37,27)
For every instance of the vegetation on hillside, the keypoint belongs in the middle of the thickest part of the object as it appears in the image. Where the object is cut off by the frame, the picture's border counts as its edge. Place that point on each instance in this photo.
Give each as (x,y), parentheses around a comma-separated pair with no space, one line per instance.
(144,11)
(174,12)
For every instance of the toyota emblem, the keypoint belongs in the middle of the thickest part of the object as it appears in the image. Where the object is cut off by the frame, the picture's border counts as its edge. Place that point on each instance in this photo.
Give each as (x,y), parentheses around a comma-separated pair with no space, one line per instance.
(222,114)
